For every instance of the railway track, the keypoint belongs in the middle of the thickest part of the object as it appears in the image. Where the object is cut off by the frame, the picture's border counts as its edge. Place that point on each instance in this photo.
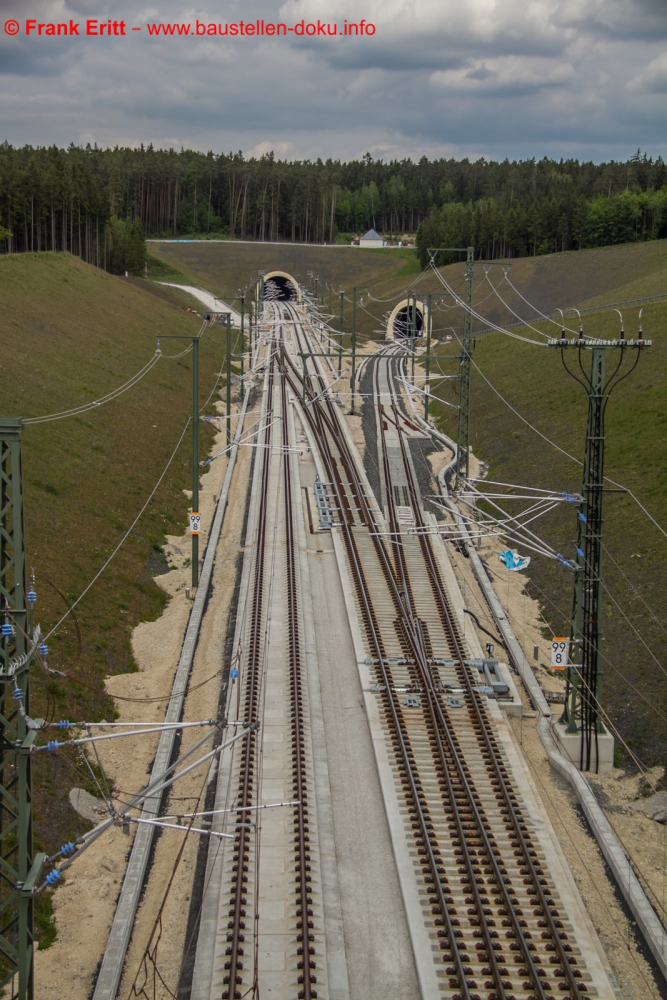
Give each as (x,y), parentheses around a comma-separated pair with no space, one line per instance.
(302,866)
(493,913)
(269,650)
(490,899)
(246,778)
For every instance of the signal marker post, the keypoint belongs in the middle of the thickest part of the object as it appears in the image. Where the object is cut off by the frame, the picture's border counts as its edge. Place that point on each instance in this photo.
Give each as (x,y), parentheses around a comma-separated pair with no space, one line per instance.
(250,349)
(580,730)
(241,294)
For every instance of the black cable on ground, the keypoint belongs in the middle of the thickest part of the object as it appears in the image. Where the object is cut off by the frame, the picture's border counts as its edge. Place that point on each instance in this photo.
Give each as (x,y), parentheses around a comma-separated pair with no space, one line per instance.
(485,630)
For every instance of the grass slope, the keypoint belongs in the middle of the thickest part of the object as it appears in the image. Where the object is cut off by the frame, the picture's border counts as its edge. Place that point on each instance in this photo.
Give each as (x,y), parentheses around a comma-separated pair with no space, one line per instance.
(227,266)
(222,268)
(559,280)
(71,333)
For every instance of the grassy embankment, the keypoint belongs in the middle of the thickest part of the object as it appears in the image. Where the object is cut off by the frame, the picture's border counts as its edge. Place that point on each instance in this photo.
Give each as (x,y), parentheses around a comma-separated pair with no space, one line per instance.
(558,280)
(71,333)
(222,268)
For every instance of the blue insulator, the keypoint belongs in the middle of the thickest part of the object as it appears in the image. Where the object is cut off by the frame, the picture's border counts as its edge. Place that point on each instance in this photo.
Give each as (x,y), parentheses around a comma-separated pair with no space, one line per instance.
(32,597)
(43,649)
(18,693)
(52,877)
(7,628)
(580,553)
(64,724)
(233,673)
(52,745)
(67,849)
(582,517)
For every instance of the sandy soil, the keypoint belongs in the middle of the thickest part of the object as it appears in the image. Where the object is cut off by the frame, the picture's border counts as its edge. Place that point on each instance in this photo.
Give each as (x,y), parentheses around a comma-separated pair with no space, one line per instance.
(354,423)
(634,976)
(84,903)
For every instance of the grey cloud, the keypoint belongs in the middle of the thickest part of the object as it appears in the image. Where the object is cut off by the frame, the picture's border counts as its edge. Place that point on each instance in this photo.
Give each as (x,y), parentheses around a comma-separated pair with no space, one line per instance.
(421,51)
(339,99)
(21,60)
(88,7)
(482,73)
(625,19)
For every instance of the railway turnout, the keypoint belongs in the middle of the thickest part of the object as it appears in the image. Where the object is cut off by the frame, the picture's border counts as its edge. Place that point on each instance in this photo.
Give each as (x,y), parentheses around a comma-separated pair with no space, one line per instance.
(490,909)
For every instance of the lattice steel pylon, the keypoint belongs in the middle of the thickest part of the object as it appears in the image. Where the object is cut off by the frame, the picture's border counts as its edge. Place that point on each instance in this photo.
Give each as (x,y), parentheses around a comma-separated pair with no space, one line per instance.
(582,712)
(18,868)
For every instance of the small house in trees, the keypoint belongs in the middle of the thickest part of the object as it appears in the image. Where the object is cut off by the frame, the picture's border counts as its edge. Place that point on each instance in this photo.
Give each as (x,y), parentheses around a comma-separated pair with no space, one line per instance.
(371,239)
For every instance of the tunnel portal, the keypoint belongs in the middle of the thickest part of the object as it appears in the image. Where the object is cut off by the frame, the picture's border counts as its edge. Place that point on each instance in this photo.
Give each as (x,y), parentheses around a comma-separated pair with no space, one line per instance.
(401,325)
(280,287)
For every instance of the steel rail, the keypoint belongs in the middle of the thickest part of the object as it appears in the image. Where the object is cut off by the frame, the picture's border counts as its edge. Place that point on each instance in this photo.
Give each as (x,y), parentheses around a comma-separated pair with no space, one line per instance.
(413,634)
(436,869)
(481,723)
(246,782)
(302,866)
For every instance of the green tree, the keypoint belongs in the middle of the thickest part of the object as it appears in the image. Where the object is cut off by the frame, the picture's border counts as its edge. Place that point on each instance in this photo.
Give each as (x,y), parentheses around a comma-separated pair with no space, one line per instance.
(127,247)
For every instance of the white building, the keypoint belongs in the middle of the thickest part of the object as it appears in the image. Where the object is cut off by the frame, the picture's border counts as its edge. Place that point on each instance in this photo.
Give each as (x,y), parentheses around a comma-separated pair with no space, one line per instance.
(372,239)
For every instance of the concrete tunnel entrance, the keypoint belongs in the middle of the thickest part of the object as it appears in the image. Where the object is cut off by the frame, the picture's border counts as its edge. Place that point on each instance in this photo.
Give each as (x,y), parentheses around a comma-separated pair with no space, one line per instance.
(401,325)
(280,287)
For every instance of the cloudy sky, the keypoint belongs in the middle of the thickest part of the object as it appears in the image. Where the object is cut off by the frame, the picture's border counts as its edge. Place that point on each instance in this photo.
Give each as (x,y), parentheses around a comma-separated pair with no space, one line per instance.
(497,78)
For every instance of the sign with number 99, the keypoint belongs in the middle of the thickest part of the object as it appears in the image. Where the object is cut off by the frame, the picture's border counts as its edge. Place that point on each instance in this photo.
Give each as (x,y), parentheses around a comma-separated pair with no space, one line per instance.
(559,653)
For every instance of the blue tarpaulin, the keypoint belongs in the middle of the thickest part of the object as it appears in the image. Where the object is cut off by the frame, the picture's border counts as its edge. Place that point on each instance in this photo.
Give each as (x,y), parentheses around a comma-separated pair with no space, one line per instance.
(513,560)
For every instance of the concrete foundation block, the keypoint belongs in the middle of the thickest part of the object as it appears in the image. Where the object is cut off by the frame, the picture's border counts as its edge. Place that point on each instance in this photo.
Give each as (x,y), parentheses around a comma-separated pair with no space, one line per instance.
(512,708)
(570,745)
